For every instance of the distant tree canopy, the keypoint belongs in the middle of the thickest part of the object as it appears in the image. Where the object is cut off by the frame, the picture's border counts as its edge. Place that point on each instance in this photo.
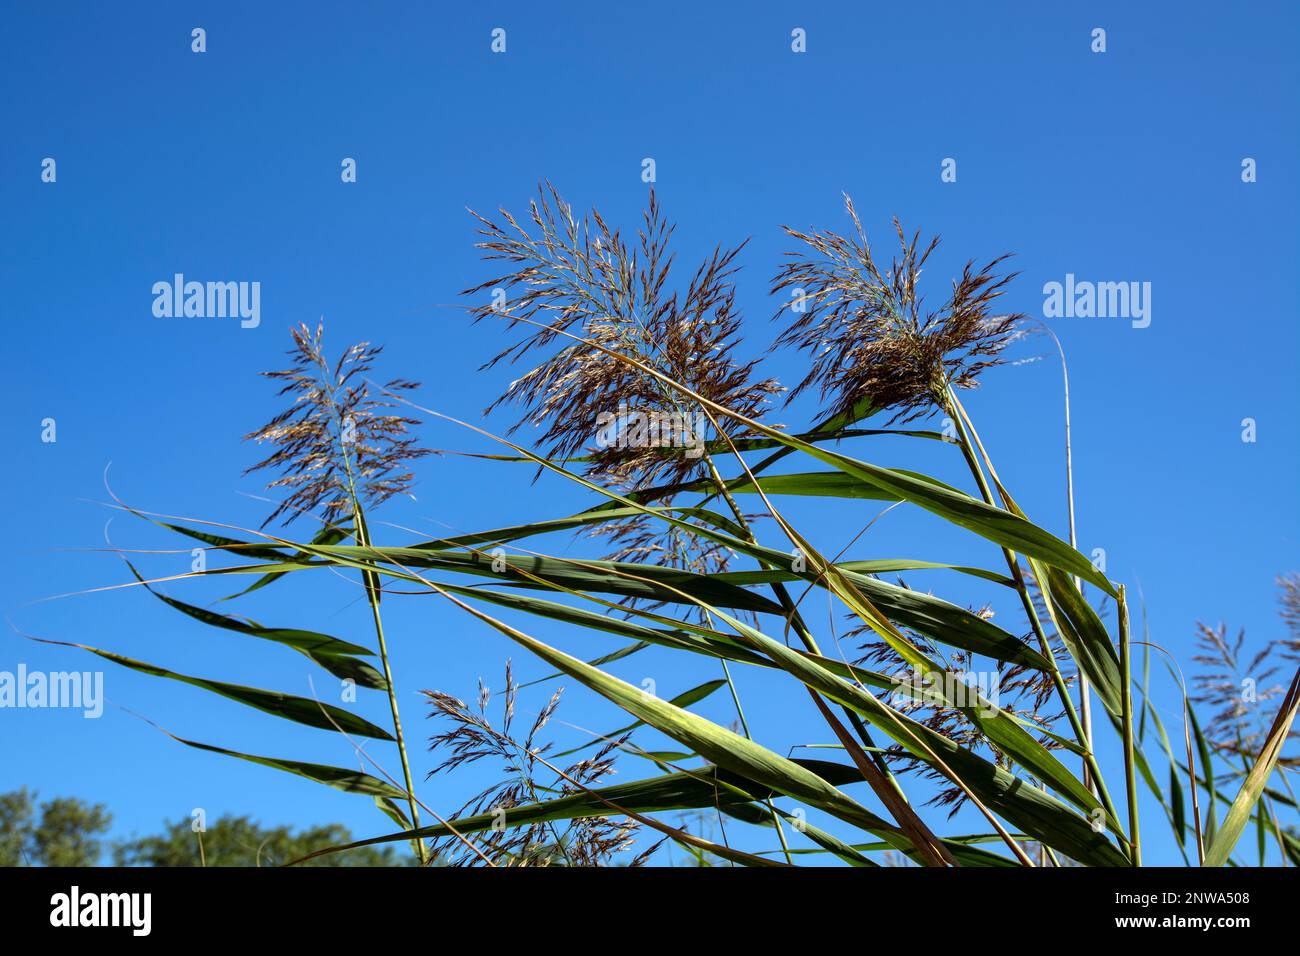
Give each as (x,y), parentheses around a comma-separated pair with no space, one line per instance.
(240,841)
(66,831)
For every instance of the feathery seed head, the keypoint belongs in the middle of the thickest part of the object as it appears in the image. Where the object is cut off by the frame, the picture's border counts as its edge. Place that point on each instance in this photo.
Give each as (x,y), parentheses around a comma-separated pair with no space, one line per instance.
(336,439)
(868,333)
(584,278)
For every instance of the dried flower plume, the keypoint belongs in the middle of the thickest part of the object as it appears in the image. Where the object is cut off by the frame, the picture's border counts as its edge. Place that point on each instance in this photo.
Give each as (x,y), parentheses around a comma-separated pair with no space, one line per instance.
(472,736)
(582,277)
(1289,586)
(1237,690)
(868,333)
(336,439)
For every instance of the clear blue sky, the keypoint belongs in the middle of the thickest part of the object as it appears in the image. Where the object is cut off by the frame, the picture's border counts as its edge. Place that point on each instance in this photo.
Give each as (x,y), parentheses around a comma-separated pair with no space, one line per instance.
(1122,166)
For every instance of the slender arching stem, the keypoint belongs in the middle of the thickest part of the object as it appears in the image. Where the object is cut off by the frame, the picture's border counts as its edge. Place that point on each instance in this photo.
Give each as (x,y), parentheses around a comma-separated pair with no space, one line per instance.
(371,582)
(1126,708)
(967,441)
(1085,697)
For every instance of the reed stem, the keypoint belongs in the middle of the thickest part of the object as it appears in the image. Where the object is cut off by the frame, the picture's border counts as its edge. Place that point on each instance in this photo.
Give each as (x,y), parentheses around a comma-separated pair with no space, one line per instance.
(1126,708)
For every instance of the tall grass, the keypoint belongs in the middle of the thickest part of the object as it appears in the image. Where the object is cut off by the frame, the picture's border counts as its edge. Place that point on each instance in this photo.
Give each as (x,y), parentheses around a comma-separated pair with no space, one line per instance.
(643,404)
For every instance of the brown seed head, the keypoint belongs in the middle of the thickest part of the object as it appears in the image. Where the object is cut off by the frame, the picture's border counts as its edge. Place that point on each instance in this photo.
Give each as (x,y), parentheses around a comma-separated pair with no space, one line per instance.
(868,333)
(335,438)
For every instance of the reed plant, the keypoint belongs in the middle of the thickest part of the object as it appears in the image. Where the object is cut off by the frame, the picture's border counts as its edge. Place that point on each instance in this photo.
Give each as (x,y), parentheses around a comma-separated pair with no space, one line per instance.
(643,401)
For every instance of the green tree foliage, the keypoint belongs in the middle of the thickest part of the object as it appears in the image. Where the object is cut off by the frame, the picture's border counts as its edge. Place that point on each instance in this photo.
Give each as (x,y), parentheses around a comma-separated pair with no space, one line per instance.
(240,841)
(68,832)
(15,826)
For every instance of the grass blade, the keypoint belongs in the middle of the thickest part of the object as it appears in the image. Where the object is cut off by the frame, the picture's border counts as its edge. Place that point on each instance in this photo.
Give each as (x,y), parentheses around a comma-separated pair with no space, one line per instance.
(298,709)
(1222,843)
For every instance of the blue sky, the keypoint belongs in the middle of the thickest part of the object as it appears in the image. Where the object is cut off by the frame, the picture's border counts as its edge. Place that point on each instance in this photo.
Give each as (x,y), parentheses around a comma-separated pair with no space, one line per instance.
(1119,166)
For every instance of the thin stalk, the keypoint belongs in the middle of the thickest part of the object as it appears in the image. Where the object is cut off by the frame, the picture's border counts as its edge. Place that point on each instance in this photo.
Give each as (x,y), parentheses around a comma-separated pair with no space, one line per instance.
(1126,708)
(1267,805)
(874,769)
(929,847)
(1085,698)
(904,807)
(958,415)
(731,686)
(797,622)
(363,539)
(1191,773)
(370,580)
(744,725)
(362,536)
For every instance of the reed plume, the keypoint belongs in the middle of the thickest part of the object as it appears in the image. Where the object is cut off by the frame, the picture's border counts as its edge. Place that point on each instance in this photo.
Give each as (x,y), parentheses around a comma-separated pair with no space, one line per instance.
(866,329)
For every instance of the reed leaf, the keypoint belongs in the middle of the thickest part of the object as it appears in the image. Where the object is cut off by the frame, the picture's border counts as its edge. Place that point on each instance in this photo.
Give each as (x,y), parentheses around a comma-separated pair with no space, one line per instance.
(334,655)
(298,709)
(1221,844)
